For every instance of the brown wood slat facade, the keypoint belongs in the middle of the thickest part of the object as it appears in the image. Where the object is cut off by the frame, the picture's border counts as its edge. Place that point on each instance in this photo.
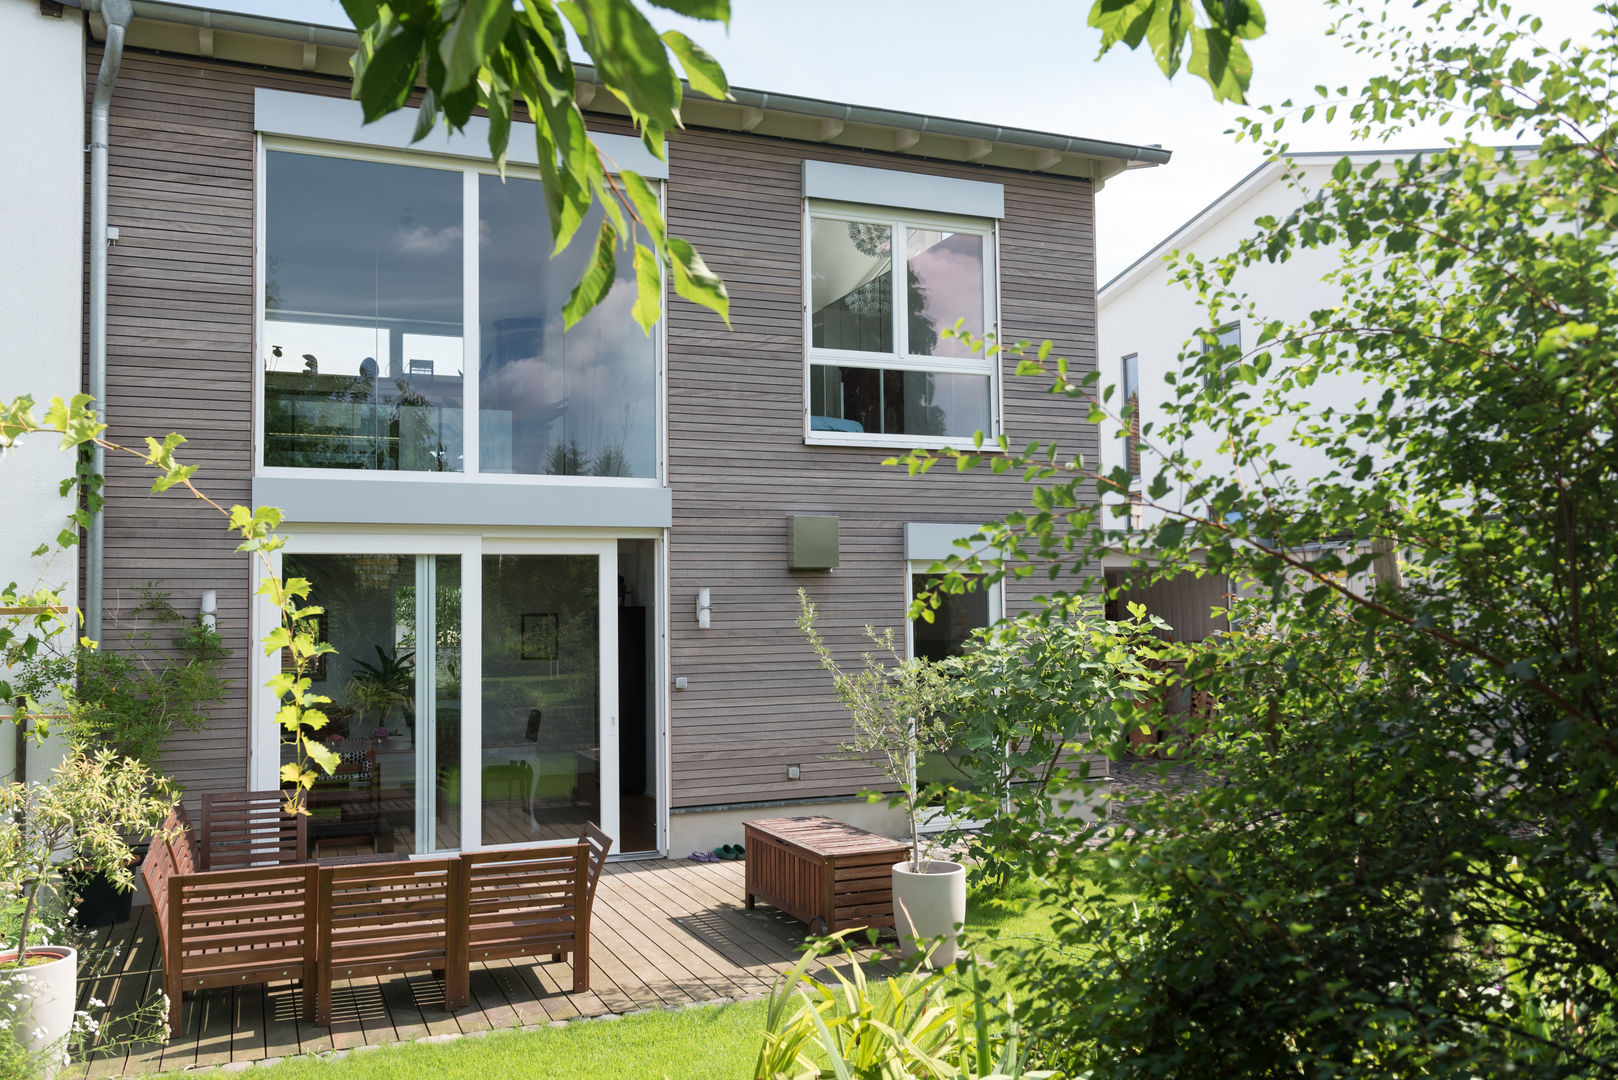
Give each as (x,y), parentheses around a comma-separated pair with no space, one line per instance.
(180,357)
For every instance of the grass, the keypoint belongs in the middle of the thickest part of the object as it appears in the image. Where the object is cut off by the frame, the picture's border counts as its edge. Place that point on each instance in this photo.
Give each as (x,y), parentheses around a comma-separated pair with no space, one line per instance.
(713,1042)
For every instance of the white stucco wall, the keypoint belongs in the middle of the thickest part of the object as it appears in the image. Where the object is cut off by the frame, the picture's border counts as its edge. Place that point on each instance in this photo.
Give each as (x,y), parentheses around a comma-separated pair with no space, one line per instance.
(42,143)
(1145,312)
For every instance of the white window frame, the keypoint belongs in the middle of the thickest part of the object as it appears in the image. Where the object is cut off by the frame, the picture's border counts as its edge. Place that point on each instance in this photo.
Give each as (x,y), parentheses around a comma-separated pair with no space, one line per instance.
(471,170)
(900,359)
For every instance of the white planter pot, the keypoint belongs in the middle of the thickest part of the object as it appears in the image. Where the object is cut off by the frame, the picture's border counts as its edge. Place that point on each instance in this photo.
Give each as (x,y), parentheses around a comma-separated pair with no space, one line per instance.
(41,998)
(930,905)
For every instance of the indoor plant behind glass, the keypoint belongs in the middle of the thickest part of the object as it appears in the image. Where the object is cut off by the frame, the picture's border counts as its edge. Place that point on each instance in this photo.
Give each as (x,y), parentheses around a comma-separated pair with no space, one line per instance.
(898,712)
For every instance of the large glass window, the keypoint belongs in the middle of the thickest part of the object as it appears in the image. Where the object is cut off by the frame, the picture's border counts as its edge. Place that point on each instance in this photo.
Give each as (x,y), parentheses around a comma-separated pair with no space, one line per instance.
(580,403)
(881,366)
(362,315)
(365,351)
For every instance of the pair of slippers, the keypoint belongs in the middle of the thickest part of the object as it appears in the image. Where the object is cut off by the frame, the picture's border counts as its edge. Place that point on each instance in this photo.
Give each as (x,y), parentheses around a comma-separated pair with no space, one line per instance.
(722,853)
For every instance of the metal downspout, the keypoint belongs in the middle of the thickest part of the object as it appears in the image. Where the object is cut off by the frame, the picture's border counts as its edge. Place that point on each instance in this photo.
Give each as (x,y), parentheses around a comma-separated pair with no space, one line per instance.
(117,14)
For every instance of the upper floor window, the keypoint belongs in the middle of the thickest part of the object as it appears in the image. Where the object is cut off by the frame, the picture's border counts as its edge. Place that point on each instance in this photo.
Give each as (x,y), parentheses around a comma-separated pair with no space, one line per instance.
(413,322)
(883,289)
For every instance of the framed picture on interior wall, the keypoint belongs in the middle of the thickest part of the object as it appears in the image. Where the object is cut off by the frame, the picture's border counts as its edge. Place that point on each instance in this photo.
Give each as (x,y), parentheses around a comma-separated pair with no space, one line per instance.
(318,625)
(539,636)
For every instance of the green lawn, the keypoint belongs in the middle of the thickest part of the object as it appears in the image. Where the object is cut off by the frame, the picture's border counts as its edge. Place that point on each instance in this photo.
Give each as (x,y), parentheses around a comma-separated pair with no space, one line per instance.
(716,1041)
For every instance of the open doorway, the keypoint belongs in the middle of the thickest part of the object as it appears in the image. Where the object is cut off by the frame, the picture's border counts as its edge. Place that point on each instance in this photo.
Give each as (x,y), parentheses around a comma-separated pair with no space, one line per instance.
(638,758)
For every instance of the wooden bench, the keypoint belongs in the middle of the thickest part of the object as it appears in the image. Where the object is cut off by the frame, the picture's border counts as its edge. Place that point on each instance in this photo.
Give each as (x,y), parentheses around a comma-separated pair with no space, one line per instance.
(228,927)
(251,829)
(821,870)
(389,918)
(535,901)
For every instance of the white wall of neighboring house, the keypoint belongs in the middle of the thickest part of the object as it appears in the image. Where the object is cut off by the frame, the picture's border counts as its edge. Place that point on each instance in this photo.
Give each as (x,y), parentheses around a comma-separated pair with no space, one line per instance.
(42,192)
(1145,312)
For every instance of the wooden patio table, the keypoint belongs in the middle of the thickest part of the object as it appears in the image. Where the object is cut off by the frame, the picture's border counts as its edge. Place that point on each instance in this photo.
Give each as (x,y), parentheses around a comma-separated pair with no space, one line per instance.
(821,870)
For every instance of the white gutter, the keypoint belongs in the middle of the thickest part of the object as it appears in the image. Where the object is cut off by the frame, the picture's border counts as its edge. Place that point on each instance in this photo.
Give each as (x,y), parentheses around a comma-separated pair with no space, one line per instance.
(117,14)
(830,111)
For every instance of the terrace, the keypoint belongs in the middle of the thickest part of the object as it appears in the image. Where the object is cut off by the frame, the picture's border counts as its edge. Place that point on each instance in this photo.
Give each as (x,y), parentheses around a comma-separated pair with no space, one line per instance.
(664,934)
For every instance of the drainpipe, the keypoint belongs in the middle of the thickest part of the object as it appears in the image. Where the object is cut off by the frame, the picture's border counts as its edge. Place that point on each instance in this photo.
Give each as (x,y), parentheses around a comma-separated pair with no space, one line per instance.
(117,14)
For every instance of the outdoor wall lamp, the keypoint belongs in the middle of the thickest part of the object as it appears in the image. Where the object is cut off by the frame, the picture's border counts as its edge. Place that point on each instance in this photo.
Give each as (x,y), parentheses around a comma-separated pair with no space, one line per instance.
(209,611)
(704,609)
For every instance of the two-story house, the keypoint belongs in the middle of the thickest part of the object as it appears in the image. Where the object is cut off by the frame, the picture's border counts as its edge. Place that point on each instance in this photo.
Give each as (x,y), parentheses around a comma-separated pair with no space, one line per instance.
(559,569)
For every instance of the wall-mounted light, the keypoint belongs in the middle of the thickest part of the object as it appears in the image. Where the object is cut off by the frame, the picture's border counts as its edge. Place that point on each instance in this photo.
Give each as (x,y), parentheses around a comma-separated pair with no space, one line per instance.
(704,609)
(209,611)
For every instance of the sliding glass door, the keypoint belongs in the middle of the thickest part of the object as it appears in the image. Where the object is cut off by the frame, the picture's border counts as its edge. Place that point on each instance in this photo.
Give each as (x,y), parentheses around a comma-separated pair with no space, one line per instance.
(393,621)
(548,738)
(474,689)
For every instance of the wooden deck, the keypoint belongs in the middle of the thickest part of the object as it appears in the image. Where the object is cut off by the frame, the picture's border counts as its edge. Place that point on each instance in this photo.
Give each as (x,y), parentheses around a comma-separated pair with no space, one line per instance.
(664,934)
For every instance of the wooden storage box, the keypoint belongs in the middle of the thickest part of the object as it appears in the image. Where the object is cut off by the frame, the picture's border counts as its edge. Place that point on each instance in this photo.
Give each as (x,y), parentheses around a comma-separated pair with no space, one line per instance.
(823,871)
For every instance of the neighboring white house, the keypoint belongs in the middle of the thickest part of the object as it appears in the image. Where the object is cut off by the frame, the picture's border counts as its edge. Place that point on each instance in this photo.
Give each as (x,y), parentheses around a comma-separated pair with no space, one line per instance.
(1146,320)
(41,289)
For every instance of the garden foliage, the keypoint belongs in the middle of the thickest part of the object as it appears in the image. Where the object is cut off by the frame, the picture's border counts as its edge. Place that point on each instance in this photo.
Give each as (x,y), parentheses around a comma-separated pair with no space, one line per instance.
(1402,861)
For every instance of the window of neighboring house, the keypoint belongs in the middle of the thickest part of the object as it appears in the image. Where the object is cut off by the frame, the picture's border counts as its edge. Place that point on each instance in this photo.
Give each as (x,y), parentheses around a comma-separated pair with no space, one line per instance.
(373,341)
(883,289)
(1229,335)
(1131,405)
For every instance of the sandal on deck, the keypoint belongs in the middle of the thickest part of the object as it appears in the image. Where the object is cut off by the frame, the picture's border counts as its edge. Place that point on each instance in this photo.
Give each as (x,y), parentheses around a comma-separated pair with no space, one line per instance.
(704,856)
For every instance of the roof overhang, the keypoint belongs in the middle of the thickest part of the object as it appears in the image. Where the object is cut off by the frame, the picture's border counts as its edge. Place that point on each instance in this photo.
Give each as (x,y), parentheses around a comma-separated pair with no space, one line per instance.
(325,50)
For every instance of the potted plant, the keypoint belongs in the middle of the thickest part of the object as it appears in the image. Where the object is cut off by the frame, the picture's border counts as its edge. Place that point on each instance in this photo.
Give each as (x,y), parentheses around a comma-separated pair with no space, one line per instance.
(898,707)
(90,803)
(380,687)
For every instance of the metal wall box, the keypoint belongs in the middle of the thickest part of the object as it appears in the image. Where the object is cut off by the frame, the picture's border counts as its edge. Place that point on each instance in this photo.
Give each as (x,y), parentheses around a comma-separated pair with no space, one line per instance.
(814,543)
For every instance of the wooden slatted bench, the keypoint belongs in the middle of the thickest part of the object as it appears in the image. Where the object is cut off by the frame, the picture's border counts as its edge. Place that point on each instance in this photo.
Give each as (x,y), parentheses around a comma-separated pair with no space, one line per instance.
(228,927)
(535,901)
(821,870)
(251,829)
(390,918)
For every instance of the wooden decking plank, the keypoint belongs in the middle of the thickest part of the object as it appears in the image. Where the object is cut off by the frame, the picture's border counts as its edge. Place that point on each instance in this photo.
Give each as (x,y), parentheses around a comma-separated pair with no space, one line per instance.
(775,942)
(123,986)
(529,1003)
(681,945)
(486,1003)
(279,1034)
(213,1034)
(398,995)
(146,972)
(644,983)
(695,976)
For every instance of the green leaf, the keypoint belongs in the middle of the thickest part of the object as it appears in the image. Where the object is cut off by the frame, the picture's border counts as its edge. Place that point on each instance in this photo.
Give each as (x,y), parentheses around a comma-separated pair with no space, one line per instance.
(646,205)
(1222,62)
(648,289)
(362,13)
(630,59)
(702,71)
(477,29)
(1121,21)
(384,81)
(596,281)
(694,281)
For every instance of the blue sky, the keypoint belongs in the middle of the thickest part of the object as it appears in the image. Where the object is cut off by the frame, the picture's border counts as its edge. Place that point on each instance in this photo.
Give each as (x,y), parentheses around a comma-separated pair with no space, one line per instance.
(1029,63)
